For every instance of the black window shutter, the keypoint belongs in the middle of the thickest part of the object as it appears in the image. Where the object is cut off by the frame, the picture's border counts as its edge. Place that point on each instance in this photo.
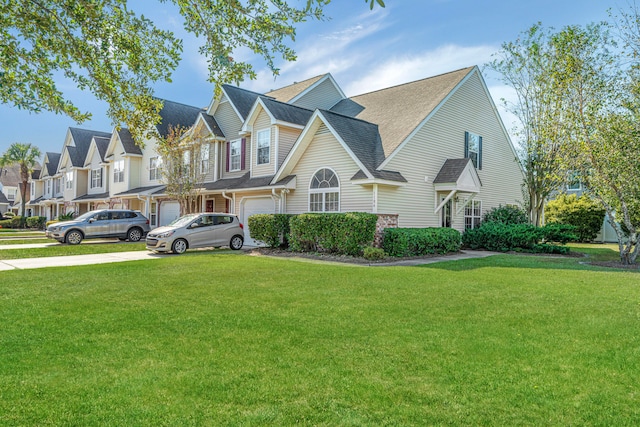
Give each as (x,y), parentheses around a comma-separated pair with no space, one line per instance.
(228,154)
(466,145)
(479,152)
(243,150)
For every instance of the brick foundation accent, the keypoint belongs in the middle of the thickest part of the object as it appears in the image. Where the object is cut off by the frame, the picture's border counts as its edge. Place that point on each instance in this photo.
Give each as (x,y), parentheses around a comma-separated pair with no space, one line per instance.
(384,221)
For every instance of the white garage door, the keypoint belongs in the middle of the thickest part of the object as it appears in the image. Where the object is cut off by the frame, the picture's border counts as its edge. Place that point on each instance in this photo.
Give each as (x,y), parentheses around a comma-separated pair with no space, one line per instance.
(251,207)
(168,212)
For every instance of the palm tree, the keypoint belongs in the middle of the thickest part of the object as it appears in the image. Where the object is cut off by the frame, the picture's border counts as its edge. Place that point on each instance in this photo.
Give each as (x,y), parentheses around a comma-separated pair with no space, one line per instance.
(26,157)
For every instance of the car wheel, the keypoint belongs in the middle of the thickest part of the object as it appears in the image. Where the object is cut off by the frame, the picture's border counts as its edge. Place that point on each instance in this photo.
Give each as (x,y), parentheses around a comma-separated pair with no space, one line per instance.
(74,237)
(134,235)
(236,243)
(179,246)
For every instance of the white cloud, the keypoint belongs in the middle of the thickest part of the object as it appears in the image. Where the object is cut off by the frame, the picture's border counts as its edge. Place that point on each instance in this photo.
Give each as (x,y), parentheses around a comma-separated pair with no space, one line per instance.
(402,69)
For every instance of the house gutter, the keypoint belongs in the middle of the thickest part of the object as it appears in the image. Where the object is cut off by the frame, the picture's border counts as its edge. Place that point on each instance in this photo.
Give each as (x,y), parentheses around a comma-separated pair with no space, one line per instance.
(233,205)
(276,198)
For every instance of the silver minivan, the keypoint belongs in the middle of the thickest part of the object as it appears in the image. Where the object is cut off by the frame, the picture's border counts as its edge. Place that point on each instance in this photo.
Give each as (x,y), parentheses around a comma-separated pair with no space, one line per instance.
(121,223)
(198,230)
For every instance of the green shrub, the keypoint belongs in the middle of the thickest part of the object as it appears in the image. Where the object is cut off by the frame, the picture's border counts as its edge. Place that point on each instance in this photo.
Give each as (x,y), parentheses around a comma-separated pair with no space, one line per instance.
(500,237)
(8,214)
(36,222)
(584,213)
(17,221)
(342,233)
(271,229)
(65,217)
(507,214)
(6,223)
(373,254)
(400,242)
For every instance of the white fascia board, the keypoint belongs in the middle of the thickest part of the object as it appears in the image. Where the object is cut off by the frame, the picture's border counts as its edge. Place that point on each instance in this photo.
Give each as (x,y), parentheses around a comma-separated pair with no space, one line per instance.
(426,119)
(303,140)
(347,149)
(247,126)
(232,104)
(316,84)
(287,124)
(378,182)
(497,114)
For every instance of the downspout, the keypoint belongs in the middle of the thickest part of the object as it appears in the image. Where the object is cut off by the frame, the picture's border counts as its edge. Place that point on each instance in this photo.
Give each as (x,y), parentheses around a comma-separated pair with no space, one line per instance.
(233,207)
(277,199)
(146,204)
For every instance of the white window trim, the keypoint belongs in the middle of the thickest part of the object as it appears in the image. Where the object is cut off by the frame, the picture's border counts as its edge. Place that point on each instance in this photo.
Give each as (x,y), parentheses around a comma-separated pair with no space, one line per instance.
(324,192)
(154,168)
(235,156)
(97,177)
(204,158)
(68,181)
(118,174)
(267,146)
(473,216)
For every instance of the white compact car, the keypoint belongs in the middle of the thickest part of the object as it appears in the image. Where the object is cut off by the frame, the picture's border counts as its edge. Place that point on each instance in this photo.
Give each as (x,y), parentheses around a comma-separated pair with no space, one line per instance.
(199,230)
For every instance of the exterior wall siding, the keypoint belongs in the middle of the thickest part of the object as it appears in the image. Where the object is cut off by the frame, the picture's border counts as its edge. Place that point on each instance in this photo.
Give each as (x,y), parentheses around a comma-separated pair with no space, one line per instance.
(286,138)
(323,96)
(325,151)
(262,122)
(442,137)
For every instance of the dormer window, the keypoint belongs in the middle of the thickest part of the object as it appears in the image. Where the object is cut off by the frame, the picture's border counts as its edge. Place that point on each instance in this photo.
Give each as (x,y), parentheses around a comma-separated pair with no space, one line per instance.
(473,148)
(264,147)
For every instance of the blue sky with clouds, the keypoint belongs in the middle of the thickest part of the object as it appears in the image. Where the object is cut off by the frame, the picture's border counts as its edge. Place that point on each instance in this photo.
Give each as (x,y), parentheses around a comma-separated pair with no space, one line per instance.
(364,50)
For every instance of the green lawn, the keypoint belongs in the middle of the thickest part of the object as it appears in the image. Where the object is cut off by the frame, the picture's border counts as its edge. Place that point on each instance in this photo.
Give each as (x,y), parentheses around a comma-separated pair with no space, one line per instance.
(85,248)
(218,338)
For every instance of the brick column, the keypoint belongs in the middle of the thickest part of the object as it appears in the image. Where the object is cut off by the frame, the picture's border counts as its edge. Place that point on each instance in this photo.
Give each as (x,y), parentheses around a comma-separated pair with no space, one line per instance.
(384,221)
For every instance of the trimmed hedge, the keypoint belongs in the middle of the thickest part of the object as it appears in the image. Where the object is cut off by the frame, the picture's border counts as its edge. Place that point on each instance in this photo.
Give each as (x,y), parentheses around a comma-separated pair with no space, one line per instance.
(271,229)
(584,213)
(36,222)
(341,233)
(500,237)
(399,242)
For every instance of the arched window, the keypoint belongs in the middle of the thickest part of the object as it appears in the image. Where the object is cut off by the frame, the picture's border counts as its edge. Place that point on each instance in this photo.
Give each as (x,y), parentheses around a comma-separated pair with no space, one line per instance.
(324,192)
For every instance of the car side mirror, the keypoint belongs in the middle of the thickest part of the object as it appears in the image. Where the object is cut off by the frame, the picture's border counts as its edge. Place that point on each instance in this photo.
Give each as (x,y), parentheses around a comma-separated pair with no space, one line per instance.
(92,220)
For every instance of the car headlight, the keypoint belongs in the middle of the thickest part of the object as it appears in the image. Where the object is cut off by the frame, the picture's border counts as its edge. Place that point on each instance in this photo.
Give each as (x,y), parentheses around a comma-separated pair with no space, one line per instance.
(165,234)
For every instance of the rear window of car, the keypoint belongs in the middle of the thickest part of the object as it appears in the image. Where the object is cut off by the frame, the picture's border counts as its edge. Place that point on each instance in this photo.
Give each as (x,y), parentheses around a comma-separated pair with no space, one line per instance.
(224,219)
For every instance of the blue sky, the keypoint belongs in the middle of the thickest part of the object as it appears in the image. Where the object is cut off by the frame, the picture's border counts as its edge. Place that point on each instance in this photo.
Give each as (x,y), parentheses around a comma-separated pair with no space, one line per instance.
(364,50)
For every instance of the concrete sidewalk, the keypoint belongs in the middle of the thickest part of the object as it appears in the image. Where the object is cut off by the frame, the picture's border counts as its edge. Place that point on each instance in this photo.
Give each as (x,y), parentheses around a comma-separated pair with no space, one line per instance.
(72,260)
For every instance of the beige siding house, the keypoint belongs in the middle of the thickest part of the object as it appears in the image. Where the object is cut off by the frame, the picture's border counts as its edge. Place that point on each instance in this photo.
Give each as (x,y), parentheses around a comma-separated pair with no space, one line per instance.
(429,153)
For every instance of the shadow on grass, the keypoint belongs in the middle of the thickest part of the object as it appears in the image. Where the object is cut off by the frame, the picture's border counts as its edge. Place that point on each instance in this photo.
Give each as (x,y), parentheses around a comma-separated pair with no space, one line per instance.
(594,258)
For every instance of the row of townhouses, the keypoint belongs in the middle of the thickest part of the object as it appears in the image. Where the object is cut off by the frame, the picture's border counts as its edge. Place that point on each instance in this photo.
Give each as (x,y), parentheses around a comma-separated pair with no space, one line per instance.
(429,153)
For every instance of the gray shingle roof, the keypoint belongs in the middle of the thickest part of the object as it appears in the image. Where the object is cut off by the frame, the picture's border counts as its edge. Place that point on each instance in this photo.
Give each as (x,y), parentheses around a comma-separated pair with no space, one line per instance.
(101,144)
(36,174)
(287,93)
(386,175)
(213,124)
(398,110)
(451,171)
(286,112)
(10,175)
(52,163)
(3,198)
(176,115)
(82,141)
(362,138)
(100,196)
(242,99)
(128,144)
(139,190)
(245,181)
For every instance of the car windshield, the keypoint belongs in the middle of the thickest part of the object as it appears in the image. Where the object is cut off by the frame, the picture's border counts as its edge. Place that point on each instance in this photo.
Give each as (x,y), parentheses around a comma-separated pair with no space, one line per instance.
(183,220)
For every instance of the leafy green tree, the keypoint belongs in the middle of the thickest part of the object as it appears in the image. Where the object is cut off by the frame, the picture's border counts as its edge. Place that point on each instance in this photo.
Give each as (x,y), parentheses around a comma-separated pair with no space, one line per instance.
(526,65)
(596,92)
(181,166)
(25,156)
(104,47)
(584,213)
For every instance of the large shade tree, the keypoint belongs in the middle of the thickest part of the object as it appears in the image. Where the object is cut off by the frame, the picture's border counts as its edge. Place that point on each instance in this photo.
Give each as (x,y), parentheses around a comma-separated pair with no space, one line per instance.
(104,47)
(526,65)
(25,156)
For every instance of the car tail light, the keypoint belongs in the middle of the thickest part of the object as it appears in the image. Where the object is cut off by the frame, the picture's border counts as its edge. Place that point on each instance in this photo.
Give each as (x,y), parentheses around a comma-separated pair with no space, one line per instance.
(241,226)
(147,222)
